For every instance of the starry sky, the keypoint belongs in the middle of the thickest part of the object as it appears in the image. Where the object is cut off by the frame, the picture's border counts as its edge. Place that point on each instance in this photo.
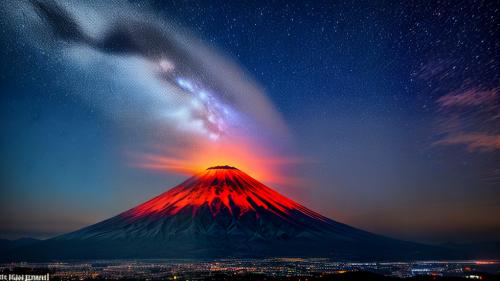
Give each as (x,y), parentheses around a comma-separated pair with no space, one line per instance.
(384,115)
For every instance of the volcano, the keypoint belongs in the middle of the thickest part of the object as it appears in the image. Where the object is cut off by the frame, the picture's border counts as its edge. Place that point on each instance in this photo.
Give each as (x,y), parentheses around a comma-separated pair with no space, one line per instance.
(221,212)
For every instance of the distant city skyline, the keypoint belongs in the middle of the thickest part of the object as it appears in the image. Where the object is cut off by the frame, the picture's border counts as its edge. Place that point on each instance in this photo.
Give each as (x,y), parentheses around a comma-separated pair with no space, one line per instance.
(275,267)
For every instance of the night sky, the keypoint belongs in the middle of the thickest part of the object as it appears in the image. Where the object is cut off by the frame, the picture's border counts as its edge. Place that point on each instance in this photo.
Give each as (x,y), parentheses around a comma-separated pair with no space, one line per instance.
(384,115)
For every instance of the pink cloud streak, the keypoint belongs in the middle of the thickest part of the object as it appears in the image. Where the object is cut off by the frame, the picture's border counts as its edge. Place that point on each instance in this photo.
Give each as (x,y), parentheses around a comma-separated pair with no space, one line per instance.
(473,141)
(472,97)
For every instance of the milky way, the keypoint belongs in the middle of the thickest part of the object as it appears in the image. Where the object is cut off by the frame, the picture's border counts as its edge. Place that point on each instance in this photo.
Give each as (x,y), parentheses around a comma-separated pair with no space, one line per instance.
(179,85)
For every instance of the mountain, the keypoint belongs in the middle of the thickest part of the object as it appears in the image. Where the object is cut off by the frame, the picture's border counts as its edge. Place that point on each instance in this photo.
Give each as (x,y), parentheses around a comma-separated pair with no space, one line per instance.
(221,212)
(6,245)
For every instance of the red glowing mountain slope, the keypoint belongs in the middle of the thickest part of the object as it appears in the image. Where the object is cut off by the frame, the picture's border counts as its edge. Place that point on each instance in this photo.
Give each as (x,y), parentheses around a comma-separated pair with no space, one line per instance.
(220,200)
(218,213)
(218,188)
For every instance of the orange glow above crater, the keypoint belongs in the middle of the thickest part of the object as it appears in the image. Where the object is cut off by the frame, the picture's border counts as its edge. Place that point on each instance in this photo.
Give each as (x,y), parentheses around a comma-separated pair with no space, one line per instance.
(189,160)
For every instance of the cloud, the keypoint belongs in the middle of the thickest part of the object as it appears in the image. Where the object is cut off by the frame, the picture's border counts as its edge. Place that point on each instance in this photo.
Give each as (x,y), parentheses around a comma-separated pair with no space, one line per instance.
(470,117)
(473,141)
(471,97)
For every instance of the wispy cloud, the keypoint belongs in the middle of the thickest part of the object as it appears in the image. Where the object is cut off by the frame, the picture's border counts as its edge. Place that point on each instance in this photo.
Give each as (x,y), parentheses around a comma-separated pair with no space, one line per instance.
(470,117)
(471,97)
(473,141)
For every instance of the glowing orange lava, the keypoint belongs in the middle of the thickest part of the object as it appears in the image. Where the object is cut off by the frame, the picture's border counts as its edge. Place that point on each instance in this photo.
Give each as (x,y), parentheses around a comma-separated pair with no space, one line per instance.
(217,187)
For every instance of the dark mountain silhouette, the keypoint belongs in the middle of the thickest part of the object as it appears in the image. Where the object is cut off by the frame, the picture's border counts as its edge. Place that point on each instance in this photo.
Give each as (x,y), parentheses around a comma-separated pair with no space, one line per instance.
(6,245)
